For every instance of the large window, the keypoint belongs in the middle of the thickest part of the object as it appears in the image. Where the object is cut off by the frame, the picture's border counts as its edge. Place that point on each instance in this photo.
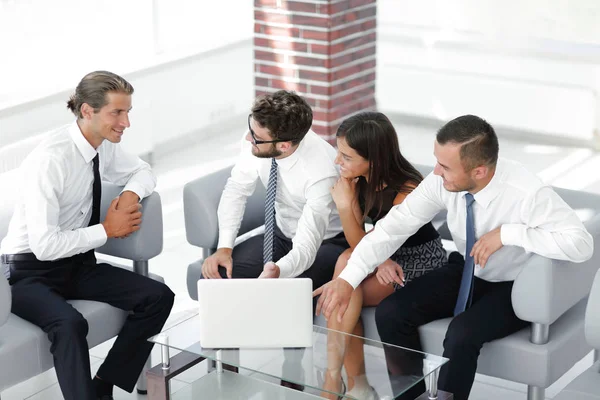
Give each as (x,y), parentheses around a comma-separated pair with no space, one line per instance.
(45,46)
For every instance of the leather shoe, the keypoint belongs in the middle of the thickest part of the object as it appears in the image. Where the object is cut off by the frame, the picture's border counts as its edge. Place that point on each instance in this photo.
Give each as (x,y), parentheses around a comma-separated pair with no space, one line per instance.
(294,386)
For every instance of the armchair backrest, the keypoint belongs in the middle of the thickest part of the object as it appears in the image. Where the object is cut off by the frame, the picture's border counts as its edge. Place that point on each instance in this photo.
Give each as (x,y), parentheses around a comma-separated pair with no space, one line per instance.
(200,202)
(201,199)
(144,244)
(140,246)
(592,315)
(5,299)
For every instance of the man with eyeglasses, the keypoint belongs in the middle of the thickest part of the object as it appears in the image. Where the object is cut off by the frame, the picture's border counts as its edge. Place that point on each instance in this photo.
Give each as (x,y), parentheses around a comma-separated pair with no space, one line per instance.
(303,232)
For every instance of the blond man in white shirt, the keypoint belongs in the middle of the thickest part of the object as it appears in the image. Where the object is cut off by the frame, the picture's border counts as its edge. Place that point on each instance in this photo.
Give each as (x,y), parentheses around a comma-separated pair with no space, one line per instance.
(49,248)
(509,214)
(307,232)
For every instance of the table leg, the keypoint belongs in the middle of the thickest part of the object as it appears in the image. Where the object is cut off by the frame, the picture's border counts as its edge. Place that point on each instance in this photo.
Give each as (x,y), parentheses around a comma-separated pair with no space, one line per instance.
(160,375)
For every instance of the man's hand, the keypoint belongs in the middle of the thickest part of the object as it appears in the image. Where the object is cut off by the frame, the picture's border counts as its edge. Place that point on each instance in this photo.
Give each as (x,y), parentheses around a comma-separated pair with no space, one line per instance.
(122,222)
(126,199)
(270,270)
(487,245)
(222,257)
(333,294)
(390,272)
(344,192)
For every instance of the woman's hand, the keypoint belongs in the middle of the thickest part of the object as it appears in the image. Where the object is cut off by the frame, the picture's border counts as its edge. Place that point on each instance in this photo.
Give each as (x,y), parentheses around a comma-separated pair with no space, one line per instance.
(344,192)
(390,272)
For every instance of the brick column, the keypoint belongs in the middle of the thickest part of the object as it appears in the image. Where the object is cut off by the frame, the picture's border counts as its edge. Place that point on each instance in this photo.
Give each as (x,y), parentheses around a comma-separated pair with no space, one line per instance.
(322,49)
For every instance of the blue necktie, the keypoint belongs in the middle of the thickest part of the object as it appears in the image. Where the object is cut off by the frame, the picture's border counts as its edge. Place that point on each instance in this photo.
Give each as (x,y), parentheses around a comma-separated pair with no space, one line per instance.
(270,213)
(465,293)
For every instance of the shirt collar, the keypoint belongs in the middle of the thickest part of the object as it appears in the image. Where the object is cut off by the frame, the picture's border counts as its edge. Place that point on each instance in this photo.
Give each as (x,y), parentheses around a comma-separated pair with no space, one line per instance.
(288,162)
(85,148)
(485,196)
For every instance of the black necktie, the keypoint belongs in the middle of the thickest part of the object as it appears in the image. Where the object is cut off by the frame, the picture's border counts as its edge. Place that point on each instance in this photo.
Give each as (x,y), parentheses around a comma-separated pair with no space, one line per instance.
(96,193)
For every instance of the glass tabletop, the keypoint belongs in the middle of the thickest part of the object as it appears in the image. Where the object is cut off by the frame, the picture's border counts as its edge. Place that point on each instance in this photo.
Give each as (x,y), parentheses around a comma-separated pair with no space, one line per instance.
(390,370)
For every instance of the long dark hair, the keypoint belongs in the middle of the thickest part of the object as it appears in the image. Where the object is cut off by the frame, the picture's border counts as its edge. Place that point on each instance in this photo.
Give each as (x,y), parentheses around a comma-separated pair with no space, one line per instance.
(373,137)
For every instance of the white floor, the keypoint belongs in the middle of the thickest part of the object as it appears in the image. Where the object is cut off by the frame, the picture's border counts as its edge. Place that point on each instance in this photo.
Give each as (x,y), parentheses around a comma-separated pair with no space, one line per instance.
(566,167)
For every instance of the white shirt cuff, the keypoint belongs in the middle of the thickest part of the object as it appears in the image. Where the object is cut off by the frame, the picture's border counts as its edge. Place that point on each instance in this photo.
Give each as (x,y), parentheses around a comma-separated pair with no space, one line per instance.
(226,239)
(285,268)
(512,234)
(352,276)
(96,235)
(135,188)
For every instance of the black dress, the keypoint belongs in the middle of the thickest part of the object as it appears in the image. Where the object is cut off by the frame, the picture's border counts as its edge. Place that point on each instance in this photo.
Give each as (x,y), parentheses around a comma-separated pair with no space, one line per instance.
(421,253)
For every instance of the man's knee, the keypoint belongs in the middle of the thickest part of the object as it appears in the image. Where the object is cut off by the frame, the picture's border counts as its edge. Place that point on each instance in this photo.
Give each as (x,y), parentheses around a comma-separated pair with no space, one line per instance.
(160,295)
(73,325)
(390,314)
(460,335)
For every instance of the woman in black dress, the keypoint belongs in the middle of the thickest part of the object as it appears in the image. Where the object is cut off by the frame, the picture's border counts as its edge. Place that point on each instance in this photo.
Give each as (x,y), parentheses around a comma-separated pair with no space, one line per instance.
(374,178)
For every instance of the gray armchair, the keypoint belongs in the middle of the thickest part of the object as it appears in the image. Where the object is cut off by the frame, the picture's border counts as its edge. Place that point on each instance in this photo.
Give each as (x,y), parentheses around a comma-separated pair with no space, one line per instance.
(550,294)
(24,348)
(587,385)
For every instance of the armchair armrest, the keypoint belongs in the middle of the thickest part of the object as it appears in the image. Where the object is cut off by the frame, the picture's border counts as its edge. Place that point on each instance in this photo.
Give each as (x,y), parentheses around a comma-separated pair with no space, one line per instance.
(592,315)
(143,244)
(201,199)
(545,288)
(5,300)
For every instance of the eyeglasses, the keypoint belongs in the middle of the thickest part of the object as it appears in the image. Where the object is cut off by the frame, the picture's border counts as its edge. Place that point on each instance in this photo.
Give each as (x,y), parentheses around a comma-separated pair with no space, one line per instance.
(256,141)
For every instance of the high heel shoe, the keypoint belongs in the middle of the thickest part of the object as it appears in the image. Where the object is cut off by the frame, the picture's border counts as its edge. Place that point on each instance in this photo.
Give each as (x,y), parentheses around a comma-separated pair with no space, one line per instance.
(321,382)
(363,393)
(342,390)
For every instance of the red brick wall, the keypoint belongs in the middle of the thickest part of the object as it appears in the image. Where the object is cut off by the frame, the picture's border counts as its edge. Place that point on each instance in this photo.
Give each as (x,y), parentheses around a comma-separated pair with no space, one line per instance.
(322,49)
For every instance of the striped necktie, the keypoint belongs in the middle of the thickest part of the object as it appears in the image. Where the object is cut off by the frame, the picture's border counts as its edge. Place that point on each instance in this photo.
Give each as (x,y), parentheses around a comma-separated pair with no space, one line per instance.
(270,213)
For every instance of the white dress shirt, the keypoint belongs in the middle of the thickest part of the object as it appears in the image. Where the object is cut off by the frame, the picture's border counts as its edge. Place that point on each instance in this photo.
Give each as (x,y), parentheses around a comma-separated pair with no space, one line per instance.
(304,209)
(532,217)
(54,205)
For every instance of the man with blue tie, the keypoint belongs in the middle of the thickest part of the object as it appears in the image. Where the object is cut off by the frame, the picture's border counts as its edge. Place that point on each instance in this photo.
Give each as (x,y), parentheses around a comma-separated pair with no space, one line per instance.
(303,232)
(499,214)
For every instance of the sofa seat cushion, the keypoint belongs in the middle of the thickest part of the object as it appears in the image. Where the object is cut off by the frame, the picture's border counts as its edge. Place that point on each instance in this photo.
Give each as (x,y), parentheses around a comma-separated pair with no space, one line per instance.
(514,357)
(585,387)
(21,340)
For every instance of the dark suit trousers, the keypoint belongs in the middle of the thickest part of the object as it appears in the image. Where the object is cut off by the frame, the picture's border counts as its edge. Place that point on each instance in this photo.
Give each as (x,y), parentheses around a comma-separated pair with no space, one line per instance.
(433,296)
(40,291)
(248,257)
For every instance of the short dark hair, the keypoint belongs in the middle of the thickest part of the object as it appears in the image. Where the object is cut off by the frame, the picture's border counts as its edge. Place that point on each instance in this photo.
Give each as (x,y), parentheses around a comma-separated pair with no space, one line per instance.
(93,89)
(285,114)
(478,139)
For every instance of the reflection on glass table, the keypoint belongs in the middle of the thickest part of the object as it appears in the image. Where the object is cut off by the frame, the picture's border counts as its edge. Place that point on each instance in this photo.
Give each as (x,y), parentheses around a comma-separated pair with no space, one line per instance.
(391,370)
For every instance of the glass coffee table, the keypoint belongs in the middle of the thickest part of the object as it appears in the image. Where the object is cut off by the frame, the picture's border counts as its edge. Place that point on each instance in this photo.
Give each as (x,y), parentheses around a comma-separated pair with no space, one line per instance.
(272,373)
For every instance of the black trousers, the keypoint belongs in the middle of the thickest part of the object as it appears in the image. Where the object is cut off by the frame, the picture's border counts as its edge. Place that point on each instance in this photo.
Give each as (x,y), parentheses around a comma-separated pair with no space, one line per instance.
(40,291)
(248,257)
(433,296)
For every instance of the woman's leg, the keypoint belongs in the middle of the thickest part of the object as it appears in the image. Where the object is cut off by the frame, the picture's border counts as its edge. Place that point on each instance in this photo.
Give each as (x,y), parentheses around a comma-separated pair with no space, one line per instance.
(369,293)
(336,342)
(372,293)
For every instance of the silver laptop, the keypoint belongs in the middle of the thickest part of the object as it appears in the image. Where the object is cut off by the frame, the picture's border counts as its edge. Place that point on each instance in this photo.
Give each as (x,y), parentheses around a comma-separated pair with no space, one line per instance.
(255,313)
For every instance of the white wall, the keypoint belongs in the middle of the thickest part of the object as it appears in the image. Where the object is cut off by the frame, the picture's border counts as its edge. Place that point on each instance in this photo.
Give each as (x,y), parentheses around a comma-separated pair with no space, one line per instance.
(531,65)
(441,59)
(170,101)
(189,62)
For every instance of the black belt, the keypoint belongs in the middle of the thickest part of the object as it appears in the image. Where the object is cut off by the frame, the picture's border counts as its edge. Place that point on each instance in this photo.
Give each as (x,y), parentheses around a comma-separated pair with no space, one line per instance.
(31,258)
(15,258)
